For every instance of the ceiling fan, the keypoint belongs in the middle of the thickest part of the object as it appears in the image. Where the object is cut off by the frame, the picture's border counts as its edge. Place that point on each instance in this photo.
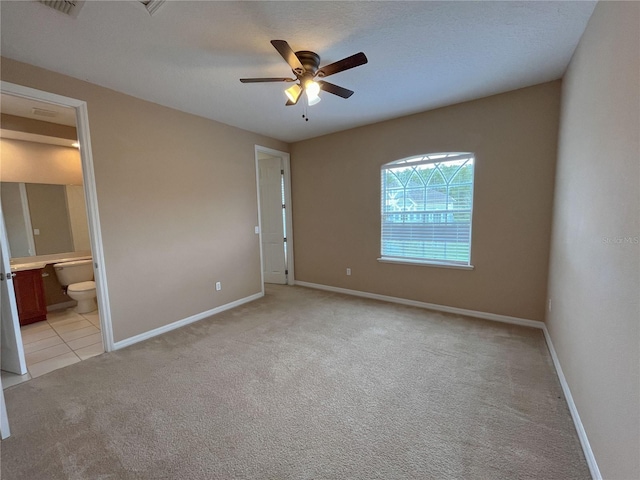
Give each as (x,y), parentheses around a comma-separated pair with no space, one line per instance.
(306,67)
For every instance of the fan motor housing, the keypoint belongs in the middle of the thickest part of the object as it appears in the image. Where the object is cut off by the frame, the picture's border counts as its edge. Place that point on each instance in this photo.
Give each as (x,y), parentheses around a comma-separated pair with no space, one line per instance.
(309,60)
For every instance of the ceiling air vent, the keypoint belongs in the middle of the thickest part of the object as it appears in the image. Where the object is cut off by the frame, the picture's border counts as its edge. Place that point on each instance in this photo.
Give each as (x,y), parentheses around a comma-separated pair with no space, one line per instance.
(152,6)
(68,7)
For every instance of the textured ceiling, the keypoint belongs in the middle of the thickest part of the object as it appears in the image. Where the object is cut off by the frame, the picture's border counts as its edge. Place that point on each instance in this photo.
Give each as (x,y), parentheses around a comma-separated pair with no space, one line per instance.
(190,55)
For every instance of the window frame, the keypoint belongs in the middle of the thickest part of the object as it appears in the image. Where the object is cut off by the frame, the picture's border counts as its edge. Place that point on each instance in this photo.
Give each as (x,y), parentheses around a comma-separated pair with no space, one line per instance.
(416,160)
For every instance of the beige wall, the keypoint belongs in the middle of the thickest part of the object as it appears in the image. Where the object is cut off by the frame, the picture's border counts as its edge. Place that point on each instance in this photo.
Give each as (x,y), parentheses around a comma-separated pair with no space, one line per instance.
(177,201)
(336,203)
(32,162)
(595,257)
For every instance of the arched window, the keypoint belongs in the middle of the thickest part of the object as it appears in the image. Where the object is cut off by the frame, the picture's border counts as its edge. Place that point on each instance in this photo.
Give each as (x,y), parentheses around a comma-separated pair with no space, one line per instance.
(427,204)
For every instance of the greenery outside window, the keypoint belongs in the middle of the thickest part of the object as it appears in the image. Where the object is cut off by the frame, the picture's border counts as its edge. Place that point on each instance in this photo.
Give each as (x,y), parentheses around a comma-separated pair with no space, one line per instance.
(426,209)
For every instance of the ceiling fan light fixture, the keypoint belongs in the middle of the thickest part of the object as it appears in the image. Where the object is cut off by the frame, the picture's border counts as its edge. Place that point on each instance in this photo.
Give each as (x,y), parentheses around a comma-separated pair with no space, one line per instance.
(305,66)
(293,92)
(312,89)
(313,100)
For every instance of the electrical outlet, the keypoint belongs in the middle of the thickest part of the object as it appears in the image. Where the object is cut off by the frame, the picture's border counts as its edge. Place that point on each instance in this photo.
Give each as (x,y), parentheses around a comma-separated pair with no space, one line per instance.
(218,286)
(348,271)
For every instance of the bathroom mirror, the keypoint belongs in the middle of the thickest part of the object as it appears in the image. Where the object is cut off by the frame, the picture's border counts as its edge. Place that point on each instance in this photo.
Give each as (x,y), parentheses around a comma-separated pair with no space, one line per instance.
(44,219)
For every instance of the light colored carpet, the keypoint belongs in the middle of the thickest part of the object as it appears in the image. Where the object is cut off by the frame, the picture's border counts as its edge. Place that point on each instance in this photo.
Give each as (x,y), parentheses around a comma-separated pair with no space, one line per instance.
(303,384)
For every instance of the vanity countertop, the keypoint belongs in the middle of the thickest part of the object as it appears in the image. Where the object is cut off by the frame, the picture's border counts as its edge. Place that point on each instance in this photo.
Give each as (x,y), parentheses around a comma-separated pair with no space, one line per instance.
(20,267)
(41,261)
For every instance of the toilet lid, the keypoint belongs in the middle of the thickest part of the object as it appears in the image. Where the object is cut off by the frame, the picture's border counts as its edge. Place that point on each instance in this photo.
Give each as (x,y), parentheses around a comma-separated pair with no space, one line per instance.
(81,287)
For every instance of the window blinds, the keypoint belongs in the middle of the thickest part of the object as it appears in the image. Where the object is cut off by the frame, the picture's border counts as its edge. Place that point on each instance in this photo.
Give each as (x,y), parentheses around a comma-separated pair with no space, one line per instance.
(426,208)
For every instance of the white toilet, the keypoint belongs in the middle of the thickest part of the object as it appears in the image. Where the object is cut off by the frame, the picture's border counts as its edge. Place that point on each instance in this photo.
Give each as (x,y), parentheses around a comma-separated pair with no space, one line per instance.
(77,276)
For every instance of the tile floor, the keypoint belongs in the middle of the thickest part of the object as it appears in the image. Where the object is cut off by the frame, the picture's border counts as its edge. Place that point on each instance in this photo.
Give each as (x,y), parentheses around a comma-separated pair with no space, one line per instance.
(64,338)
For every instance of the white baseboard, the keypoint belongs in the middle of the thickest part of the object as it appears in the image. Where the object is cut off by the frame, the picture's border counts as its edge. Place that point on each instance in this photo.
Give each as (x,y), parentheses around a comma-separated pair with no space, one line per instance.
(582,434)
(185,321)
(430,306)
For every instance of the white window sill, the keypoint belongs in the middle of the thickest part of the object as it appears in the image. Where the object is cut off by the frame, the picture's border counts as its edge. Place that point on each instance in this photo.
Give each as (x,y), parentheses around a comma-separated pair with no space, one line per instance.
(424,263)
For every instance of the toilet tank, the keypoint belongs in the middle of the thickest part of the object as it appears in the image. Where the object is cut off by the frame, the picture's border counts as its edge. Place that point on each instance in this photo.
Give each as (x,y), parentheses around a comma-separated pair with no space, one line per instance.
(74,272)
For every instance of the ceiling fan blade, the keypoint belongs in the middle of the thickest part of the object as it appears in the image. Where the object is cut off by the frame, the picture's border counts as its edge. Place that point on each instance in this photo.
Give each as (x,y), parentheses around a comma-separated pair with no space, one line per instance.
(288,54)
(335,89)
(271,79)
(344,64)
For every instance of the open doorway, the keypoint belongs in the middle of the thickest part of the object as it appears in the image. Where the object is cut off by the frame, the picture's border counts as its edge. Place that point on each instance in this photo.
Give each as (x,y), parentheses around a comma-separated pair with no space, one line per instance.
(275,218)
(51,217)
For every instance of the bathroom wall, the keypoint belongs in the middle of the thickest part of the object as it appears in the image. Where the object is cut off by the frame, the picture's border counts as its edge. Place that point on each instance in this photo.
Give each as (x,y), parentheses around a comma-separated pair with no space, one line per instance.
(177,201)
(32,162)
(38,163)
(53,293)
(38,127)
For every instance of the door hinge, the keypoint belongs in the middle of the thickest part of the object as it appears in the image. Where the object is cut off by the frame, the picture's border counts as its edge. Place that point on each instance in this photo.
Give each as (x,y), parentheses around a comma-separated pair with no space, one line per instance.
(284,206)
(285,239)
(281,172)
(286,272)
(8,276)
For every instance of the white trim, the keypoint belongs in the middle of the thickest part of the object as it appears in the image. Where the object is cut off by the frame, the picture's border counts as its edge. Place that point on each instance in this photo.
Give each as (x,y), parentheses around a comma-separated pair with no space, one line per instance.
(286,161)
(431,306)
(289,214)
(14,360)
(407,161)
(91,198)
(34,94)
(582,434)
(185,321)
(259,220)
(424,263)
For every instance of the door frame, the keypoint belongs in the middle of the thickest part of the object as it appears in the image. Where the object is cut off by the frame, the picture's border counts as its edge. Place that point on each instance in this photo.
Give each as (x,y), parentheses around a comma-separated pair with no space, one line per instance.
(18,363)
(286,162)
(90,194)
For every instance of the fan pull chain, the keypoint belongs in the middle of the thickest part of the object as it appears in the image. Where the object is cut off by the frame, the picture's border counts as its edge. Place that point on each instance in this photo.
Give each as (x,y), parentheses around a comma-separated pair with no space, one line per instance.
(305,114)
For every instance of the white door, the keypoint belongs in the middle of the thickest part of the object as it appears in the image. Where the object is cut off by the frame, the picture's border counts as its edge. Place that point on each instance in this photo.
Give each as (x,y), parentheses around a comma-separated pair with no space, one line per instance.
(272,219)
(4,419)
(11,349)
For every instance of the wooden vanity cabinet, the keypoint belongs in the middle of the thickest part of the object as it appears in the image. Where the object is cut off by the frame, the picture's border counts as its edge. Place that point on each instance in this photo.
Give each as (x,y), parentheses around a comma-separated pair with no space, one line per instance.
(32,306)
